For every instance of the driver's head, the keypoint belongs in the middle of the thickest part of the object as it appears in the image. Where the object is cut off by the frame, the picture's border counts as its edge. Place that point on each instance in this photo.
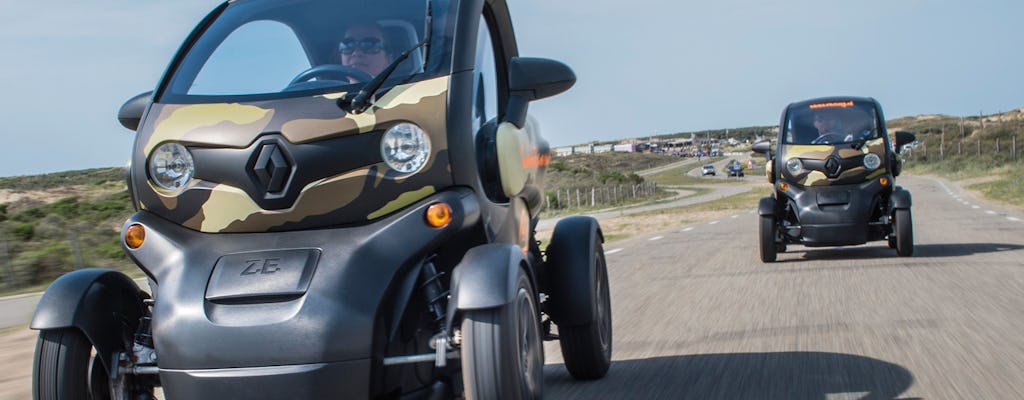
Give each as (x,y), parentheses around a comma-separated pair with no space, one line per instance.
(826,122)
(362,47)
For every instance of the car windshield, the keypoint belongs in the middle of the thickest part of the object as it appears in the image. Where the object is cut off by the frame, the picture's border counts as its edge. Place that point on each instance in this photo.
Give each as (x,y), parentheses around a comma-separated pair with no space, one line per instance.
(263,49)
(834,122)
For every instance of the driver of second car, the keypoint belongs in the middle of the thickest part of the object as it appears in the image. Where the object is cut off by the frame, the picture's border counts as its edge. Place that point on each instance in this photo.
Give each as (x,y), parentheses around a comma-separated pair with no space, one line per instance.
(363,48)
(827,124)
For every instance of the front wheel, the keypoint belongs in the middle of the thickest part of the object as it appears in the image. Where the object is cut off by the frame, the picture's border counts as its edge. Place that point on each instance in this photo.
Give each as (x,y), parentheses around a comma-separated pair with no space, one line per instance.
(65,368)
(904,228)
(767,236)
(587,349)
(502,353)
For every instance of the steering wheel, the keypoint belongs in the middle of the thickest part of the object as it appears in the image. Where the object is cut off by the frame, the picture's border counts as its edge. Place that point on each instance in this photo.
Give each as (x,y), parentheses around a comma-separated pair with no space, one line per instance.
(334,72)
(829,138)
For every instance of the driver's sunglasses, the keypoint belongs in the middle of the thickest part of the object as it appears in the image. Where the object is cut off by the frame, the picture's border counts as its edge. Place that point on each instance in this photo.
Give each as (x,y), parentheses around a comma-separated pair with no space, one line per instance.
(367,45)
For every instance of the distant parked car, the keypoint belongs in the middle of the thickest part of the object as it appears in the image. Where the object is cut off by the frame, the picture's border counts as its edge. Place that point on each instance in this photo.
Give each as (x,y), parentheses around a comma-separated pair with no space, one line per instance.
(707,170)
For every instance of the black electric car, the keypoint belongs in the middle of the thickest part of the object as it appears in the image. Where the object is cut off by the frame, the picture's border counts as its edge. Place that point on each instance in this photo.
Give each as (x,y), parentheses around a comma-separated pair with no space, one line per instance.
(833,169)
(313,227)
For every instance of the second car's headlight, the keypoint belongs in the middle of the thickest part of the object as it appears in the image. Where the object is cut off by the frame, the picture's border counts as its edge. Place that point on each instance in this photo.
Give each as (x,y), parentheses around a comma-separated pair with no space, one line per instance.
(794,165)
(171,166)
(871,161)
(405,147)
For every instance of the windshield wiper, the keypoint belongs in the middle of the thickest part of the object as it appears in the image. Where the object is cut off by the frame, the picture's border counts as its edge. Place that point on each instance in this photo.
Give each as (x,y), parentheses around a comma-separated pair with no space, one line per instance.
(361,101)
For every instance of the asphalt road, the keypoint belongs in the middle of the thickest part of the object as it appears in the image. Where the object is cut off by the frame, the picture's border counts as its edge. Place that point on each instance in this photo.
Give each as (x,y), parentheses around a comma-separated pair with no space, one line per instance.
(696,315)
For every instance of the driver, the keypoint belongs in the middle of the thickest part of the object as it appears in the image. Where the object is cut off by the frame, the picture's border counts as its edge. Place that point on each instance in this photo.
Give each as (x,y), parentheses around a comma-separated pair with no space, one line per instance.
(363,48)
(829,128)
(826,123)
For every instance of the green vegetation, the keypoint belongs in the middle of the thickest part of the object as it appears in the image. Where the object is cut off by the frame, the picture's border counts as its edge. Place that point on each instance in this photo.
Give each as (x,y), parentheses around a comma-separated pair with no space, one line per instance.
(40,241)
(97,177)
(583,182)
(989,148)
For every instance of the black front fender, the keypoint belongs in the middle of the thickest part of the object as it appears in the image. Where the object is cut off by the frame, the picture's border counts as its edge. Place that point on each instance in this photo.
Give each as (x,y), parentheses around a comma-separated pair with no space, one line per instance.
(485,278)
(900,199)
(105,305)
(766,206)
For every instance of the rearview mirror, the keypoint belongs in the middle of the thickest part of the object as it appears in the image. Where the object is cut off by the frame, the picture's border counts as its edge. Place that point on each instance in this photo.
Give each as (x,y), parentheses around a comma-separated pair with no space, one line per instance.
(130,114)
(903,138)
(532,79)
(763,147)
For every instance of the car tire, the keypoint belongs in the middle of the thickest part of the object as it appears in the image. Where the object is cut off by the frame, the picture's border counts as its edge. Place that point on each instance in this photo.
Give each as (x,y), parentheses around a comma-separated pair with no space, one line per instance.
(65,369)
(767,236)
(587,349)
(502,348)
(904,228)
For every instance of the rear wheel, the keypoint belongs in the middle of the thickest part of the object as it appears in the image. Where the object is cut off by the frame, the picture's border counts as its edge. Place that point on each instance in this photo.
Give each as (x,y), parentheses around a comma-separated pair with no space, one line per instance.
(502,353)
(904,228)
(587,349)
(65,368)
(767,236)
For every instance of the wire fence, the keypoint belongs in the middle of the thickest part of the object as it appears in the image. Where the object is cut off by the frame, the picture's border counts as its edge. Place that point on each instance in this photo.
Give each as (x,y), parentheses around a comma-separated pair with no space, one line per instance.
(595,196)
(998,148)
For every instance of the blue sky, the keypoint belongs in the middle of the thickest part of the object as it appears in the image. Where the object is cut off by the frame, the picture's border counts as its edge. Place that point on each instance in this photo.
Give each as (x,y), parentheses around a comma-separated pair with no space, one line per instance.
(644,67)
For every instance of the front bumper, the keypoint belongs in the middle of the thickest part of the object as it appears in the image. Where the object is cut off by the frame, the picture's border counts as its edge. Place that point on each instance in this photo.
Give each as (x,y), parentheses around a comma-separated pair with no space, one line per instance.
(232,320)
(837,215)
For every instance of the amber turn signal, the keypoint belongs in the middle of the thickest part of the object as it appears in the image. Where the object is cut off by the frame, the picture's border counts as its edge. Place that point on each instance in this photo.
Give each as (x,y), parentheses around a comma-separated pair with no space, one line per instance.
(439,215)
(884,181)
(784,186)
(134,236)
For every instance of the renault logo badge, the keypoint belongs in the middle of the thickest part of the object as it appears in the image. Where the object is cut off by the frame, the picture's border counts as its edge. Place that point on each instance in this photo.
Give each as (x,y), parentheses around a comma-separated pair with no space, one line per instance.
(272,168)
(832,167)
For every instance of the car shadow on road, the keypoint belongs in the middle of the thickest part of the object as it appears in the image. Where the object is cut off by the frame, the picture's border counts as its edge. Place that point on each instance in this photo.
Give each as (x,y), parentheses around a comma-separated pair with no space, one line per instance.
(962,249)
(920,250)
(782,375)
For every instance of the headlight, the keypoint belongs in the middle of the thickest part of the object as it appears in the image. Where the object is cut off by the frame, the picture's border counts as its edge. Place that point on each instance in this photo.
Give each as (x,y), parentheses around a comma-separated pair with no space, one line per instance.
(171,166)
(871,161)
(794,165)
(405,147)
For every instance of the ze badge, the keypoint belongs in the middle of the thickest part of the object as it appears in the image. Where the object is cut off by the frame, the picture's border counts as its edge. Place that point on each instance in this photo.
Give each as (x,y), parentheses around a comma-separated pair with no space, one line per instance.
(261,266)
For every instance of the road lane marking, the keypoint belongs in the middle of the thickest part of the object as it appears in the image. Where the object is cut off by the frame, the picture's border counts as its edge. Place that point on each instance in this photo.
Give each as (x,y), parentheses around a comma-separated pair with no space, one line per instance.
(975,207)
(687,229)
(1014,219)
(735,216)
(612,251)
(656,238)
(990,212)
(846,395)
(712,222)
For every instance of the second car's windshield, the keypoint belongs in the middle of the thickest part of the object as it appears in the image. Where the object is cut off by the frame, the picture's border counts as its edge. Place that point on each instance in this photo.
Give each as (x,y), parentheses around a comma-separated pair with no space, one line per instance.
(834,122)
(268,49)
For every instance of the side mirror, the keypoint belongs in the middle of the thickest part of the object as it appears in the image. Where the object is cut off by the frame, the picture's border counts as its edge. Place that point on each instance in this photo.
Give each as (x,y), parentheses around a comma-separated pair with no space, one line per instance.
(130,114)
(532,79)
(763,147)
(904,138)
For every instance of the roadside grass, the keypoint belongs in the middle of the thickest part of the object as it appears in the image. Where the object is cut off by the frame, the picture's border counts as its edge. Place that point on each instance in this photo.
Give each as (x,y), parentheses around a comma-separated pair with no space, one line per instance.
(1002,181)
(743,201)
(1008,189)
(627,226)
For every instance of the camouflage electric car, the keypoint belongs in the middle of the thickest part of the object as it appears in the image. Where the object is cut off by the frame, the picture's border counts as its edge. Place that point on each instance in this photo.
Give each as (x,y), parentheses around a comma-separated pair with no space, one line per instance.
(317,224)
(833,169)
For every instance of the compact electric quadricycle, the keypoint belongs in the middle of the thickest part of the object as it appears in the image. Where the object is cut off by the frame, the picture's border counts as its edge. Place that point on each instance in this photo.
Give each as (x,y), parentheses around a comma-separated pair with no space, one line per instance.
(833,169)
(311,230)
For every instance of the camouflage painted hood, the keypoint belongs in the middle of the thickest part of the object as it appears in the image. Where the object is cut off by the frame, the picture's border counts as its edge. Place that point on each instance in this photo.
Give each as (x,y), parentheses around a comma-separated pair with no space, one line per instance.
(289,164)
